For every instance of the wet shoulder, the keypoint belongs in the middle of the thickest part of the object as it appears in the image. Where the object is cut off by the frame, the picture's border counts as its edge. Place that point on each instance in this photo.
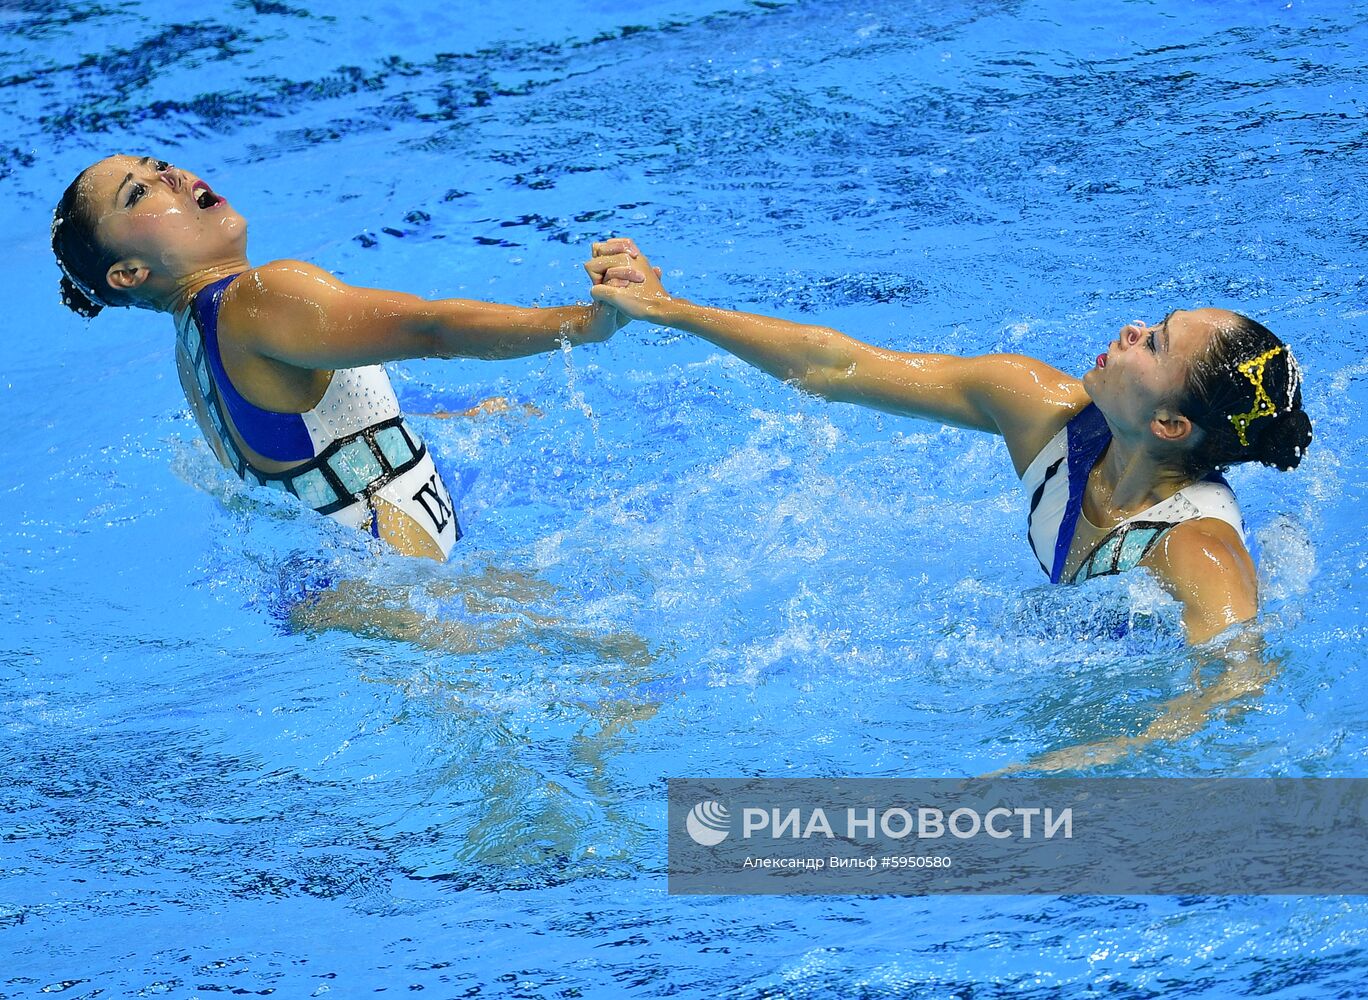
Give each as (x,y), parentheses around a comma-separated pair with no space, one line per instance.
(269,305)
(1040,400)
(288,281)
(1203,550)
(262,312)
(1205,565)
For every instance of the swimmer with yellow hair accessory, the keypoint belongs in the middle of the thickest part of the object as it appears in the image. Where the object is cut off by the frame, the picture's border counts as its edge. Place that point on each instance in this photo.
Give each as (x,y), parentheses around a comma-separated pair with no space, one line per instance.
(1121,467)
(281,362)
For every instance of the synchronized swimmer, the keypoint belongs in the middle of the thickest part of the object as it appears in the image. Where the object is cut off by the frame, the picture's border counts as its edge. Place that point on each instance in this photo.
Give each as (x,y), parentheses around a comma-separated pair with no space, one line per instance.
(1122,467)
(282,363)
(282,366)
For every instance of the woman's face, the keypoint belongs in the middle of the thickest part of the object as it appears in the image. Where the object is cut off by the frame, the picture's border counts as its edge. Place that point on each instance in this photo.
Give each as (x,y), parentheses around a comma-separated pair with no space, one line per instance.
(161,216)
(1144,370)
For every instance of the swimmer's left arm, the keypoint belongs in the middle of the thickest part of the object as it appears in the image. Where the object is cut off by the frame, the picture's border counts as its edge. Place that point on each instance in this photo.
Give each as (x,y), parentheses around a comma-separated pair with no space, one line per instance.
(301,315)
(1205,566)
(1245,673)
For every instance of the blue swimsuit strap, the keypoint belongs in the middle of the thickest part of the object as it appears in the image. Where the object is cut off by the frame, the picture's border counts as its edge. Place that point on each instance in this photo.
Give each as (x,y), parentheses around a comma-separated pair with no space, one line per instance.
(279,436)
(1088,437)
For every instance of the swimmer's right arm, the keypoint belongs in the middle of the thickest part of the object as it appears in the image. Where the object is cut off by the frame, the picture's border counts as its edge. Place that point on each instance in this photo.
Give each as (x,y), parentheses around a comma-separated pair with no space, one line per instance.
(994,393)
(301,315)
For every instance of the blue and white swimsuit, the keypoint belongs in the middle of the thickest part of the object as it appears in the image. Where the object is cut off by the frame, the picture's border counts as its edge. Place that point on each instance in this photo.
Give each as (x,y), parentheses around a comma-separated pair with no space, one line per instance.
(1055,481)
(350,448)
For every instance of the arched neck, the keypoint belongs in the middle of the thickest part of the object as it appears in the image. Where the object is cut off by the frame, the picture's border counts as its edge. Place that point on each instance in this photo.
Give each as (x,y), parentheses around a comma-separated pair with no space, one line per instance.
(184,290)
(1133,475)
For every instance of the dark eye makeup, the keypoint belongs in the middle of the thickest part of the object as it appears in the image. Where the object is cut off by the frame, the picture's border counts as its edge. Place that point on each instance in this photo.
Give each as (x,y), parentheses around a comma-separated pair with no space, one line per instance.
(140,189)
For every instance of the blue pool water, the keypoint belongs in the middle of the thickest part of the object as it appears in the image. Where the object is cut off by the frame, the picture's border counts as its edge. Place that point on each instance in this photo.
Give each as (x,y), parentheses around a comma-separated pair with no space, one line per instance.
(197,800)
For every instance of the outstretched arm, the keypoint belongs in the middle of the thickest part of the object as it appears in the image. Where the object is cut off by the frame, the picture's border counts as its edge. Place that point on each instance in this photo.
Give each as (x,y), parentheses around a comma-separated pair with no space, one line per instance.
(1002,394)
(301,315)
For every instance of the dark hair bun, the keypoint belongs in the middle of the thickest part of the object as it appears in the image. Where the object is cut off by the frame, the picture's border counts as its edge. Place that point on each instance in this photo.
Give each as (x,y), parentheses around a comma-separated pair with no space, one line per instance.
(1284,442)
(77,301)
(1245,393)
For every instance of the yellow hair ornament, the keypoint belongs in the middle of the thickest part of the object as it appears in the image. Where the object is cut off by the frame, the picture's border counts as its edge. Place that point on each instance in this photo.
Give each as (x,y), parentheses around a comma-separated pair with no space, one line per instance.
(1253,369)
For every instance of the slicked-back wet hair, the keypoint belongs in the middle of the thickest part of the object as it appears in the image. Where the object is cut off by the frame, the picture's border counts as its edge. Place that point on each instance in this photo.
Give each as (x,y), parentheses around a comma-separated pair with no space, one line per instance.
(1216,390)
(83,259)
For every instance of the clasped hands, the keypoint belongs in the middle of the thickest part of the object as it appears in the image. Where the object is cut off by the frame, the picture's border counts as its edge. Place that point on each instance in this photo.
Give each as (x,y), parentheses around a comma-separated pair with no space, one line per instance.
(623,278)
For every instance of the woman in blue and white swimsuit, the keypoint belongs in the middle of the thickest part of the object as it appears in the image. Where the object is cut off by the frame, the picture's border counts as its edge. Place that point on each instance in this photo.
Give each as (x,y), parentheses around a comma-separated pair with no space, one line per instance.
(281,363)
(1121,467)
